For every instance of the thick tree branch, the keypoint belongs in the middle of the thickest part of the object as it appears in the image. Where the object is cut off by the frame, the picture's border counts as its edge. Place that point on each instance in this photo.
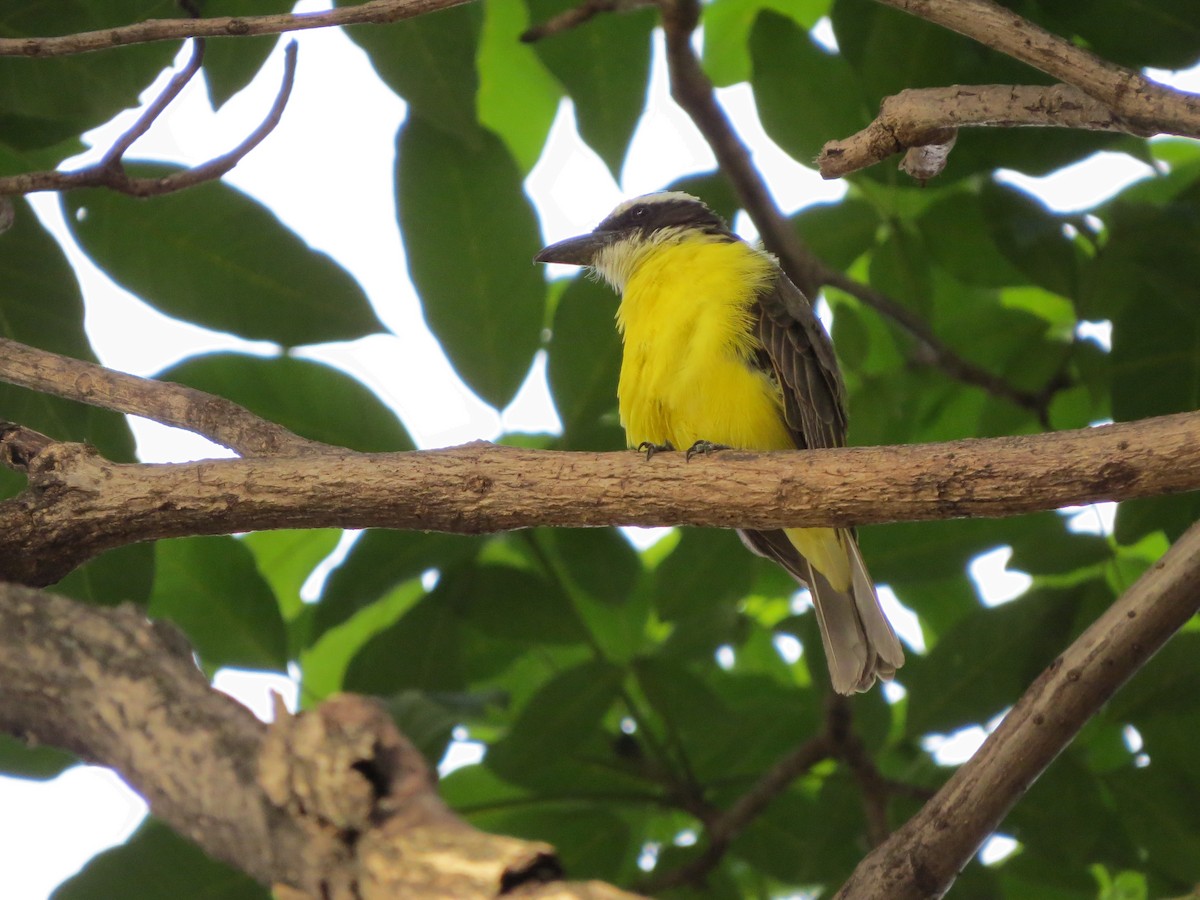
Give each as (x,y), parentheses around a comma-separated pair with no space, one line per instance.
(922,859)
(79,504)
(375,12)
(1145,106)
(693,91)
(110,172)
(914,120)
(221,421)
(333,803)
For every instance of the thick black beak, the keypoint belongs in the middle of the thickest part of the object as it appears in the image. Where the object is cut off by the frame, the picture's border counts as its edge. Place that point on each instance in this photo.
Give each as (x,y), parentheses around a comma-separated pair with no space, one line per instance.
(576,251)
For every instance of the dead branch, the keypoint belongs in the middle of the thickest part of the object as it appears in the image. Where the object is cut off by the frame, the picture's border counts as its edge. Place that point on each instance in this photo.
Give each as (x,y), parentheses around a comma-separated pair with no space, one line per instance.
(922,859)
(110,172)
(79,504)
(374,12)
(915,119)
(577,15)
(333,803)
(221,421)
(1144,106)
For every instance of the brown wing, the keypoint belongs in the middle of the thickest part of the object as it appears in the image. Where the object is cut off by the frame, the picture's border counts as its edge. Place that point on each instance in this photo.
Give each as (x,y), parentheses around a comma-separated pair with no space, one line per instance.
(796,348)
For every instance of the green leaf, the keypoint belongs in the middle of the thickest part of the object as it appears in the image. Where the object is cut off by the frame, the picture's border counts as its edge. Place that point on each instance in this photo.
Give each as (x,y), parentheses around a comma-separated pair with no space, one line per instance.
(157,864)
(231,65)
(557,719)
(584,365)
(839,232)
(517,98)
(787,63)
(708,568)
(430,62)
(23,760)
(121,575)
(310,398)
(214,256)
(591,842)
(513,605)
(727,26)
(424,721)
(41,103)
(598,570)
(379,561)
(1166,37)
(984,663)
(604,67)
(41,305)
(471,234)
(900,268)
(287,558)
(960,239)
(1032,238)
(422,650)
(210,588)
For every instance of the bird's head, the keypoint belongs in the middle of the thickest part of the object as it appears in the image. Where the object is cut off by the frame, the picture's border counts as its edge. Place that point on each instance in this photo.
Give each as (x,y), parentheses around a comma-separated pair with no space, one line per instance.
(616,246)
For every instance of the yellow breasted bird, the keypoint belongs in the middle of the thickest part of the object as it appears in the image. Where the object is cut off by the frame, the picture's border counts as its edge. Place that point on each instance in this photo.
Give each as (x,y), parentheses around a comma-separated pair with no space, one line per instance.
(720,348)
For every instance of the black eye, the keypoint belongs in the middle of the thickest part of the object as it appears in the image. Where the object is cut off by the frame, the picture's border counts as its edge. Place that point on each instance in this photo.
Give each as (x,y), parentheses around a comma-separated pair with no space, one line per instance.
(639,212)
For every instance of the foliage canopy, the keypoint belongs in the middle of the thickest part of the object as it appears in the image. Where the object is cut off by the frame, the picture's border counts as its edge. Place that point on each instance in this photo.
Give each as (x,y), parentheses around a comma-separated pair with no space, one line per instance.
(620,691)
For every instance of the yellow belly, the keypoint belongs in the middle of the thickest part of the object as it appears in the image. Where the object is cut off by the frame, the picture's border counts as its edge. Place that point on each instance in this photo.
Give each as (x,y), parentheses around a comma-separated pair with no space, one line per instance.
(686,374)
(686,322)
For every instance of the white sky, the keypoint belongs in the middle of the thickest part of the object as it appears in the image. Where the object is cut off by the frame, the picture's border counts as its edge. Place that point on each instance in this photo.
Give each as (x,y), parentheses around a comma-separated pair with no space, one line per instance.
(48,830)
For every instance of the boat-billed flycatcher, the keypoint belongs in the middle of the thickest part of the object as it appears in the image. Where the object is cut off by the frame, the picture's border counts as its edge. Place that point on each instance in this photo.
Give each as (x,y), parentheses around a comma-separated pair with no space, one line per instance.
(721,347)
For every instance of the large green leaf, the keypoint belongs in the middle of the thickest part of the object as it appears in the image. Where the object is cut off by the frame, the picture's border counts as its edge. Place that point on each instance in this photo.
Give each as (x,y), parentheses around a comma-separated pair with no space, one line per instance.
(310,398)
(986,661)
(121,575)
(210,587)
(23,760)
(471,234)
(517,98)
(214,256)
(787,65)
(46,101)
(157,864)
(727,25)
(430,62)
(584,365)
(839,233)
(378,562)
(1163,34)
(709,567)
(557,719)
(604,67)
(231,65)
(41,305)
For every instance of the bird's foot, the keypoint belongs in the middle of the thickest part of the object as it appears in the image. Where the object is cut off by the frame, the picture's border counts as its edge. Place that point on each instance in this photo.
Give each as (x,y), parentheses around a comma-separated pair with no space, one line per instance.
(650,448)
(703,448)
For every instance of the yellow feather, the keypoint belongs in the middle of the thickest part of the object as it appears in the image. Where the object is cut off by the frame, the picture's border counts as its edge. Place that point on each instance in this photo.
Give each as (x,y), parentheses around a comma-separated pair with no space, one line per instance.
(687,322)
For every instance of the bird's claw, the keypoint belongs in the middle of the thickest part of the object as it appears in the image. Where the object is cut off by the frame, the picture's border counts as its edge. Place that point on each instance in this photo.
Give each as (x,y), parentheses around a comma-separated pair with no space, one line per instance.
(703,448)
(650,448)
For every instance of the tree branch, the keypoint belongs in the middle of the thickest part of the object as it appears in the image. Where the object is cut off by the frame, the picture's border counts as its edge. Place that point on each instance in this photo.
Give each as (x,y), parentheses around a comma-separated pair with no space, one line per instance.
(110,172)
(923,858)
(333,803)
(375,12)
(221,421)
(928,117)
(1144,106)
(693,91)
(79,504)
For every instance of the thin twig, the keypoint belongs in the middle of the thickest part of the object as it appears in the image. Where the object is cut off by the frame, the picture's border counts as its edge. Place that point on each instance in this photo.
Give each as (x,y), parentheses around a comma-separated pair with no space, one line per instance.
(577,15)
(693,90)
(215,418)
(110,171)
(373,12)
(848,747)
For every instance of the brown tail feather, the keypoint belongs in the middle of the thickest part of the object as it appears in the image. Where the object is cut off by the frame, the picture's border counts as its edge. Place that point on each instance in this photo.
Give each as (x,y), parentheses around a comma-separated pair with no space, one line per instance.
(859,643)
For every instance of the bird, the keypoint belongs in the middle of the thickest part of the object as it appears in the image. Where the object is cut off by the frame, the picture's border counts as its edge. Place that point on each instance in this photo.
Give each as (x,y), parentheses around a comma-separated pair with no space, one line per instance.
(721,350)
